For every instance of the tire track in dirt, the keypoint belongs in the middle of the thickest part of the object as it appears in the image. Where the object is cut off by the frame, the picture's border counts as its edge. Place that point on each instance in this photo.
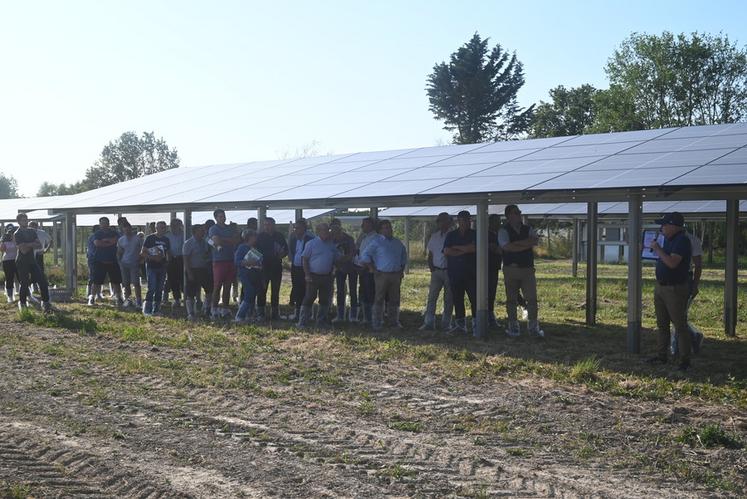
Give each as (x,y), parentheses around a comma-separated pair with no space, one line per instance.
(57,468)
(326,441)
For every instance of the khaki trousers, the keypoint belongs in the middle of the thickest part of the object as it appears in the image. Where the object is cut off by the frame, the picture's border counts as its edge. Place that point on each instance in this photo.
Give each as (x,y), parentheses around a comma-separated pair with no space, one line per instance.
(439,281)
(387,288)
(520,278)
(670,303)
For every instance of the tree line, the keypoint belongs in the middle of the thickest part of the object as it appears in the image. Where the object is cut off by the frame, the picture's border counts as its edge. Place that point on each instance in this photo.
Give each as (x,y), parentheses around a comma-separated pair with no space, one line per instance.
(655,81)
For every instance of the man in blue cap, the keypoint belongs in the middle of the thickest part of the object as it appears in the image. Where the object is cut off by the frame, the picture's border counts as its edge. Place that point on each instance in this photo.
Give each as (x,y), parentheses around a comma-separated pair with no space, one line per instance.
(672,288)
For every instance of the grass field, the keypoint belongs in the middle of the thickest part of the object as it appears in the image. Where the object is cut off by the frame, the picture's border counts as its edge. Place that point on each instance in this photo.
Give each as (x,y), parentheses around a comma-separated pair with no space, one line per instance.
(345,411)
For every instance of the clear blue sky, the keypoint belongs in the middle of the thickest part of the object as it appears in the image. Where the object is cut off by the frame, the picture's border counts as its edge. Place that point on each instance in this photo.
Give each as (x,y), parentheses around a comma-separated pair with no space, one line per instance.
(226,81)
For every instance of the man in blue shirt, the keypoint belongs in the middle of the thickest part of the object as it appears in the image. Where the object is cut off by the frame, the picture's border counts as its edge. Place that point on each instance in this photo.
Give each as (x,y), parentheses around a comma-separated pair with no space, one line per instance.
(367,287)
(460,248)
(105,261)
(318,257)
(224,239)
(296,244)
(672,288)
(386,257)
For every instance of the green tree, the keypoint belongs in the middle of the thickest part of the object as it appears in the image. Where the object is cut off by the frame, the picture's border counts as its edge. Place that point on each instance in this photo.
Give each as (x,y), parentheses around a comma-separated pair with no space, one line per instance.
(668,80)
(571,111)
(475,93)
(51,189)
(130,156)
(8,186)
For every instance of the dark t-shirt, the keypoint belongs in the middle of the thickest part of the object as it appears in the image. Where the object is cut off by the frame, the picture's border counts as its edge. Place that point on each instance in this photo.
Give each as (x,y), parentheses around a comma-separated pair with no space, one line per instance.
(26,235)
(494,259)
(462,265)
(346,246)
(156,245)
(270,245)
(106,254)
(678,245)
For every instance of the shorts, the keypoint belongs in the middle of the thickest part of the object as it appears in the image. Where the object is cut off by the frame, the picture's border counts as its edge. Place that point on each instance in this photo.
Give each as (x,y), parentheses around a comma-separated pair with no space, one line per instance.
(224,273)
(130,274)
(202,280)
(102,269)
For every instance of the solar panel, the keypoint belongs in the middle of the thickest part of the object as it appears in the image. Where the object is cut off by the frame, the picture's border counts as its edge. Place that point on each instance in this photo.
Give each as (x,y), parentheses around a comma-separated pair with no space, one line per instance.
(494,157)
(449,150)
(611,138)
(538,166)
(571,151)
(390,188)
(713,175)
(504,183)
(648,158)
(603,179)
(736,157)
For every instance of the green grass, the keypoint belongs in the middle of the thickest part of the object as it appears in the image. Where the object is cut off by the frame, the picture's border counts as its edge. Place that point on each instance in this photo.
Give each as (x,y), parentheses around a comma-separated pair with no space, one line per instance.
(709,436)
(585,370)
(13,490)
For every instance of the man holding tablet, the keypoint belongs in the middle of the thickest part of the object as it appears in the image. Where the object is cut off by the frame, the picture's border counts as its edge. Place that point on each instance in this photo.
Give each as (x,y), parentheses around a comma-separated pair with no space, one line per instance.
(672,288)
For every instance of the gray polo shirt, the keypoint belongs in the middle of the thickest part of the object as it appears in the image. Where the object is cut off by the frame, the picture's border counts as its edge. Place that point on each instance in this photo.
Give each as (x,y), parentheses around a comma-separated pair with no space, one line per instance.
(197,253)
(131,247)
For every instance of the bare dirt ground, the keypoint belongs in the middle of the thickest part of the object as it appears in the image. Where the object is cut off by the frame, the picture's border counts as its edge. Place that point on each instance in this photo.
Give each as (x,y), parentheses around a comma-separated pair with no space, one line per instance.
(74,425)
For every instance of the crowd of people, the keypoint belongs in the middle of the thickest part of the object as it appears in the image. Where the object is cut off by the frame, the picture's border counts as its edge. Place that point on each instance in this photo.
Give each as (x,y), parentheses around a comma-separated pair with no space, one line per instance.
(219,262)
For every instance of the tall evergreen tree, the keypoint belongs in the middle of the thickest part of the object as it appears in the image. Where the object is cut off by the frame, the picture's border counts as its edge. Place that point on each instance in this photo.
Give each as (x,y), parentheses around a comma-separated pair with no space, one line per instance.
(475,93)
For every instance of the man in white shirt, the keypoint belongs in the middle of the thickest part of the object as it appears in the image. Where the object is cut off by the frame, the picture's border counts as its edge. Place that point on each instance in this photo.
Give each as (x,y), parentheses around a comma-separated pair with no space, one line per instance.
(439,276)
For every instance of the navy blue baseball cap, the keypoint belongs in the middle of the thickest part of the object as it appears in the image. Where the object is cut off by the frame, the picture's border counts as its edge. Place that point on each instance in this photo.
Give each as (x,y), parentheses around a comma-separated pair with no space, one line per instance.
(674,218)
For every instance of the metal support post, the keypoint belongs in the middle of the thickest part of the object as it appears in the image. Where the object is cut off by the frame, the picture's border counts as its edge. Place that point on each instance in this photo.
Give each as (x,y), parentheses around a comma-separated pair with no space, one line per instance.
(635,280)
(261,215)
(71,254)
(481,321)
(591,264)
(55,243)
(407,244)
(730,288)
(575,243)
(374,213)
(299,214)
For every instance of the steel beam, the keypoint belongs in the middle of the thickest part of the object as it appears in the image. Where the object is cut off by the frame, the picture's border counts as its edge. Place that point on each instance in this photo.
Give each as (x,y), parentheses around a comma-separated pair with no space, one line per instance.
(635,280)
(407,244)
(576,243)
(591,264)
(730,288)
(481,320)
(71,254)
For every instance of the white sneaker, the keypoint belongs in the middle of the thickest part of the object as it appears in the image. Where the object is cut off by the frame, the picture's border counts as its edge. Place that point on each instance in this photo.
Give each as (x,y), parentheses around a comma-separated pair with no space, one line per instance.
(22,306)
(91,301)
(10,299)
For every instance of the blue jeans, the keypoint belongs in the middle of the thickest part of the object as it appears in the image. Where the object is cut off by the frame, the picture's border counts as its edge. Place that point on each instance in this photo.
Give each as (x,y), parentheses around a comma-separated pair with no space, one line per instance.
(156,278)
(247,298)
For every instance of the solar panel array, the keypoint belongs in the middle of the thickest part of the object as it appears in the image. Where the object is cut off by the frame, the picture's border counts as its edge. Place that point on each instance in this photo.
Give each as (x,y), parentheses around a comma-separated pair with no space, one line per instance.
(689,156)
(571,209)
